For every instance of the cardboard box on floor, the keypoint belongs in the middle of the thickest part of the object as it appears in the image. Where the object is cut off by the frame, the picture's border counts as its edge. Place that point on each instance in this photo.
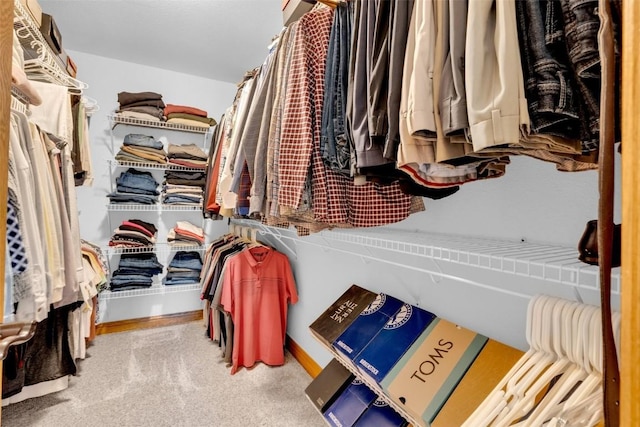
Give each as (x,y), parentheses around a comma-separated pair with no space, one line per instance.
(34,9)
(335,319)
(392,341)
(368,323)
(328,385)
(492,364)
(350,405)
(424,378)
(380,414)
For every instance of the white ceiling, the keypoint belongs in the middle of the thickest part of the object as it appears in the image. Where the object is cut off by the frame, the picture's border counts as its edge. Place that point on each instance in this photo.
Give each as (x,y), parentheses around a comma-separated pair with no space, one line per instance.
(215,39)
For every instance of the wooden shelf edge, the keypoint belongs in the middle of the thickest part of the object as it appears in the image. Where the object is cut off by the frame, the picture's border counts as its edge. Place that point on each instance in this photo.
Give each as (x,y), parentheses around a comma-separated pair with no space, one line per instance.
(148,322)
(303,358)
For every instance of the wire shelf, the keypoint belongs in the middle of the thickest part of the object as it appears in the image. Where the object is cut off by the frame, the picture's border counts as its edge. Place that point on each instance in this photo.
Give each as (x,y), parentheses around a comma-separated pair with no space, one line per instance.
(116,120)
(39,60)
(19,106)
(549,263)
(168,166)
(545,262)
(156,289)
(159,248)
(128,207)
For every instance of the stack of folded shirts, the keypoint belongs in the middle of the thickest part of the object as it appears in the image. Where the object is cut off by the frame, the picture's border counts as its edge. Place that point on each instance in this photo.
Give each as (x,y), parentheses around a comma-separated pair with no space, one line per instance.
(193,179)
(185,195)
(185,233)
(135,271)
(141,149)
(184,268)
(141,105)
(134,186)
(134,233)
(187,155)
(185,115)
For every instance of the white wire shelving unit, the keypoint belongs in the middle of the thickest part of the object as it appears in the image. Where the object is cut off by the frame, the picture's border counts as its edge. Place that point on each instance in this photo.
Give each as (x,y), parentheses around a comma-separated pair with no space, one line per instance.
(19,102)
(156,289)
(39,60)
(127,207)
(116,119)
(159,248)
(548,263)
(153,166)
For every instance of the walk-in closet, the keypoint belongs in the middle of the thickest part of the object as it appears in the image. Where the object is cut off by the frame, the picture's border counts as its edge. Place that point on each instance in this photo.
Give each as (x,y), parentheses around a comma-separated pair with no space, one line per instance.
(320,212)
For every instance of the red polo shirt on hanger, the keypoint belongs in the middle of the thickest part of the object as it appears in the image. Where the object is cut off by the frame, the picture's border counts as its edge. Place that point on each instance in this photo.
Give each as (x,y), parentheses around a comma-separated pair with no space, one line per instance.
(257,287)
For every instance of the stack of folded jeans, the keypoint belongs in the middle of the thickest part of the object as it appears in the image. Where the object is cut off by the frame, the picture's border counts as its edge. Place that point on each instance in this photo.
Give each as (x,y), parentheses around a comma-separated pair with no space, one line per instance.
(185,115)
(185,233)
(187,155)
(141,105)
(135,186)
(141,149)
(187,195)
(184,268)
(135,271)
(134,233)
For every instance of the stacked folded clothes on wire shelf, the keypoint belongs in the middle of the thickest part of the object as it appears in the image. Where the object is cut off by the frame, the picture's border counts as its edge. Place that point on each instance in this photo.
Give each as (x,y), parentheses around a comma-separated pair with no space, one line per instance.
(185,115)
(141,105)
(190,178)
(134,233)
(135,187)
(185,187)
(135,271)
(187,155)
(184,195)
(150,106)
(185,233)
(140,148)
(184,268)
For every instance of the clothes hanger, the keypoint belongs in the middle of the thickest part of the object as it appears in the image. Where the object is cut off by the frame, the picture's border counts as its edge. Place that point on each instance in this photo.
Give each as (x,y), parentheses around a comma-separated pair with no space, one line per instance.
(495,402)
(564,348)
(587,414)
(576,374)
(555,362)
(593,382)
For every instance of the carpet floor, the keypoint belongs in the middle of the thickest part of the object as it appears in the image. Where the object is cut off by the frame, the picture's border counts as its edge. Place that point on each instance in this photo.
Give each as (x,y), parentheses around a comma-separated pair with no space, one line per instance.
(171,376)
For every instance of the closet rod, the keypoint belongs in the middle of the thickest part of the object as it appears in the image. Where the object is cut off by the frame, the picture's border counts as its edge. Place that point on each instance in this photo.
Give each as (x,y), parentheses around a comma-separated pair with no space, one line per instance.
(630,357)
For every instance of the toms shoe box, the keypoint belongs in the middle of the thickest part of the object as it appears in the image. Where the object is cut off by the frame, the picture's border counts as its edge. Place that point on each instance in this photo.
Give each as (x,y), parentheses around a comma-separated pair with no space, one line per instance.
(424,378)
(364,327)
(392,341)
(380,414)
(350,405)
(490,367)
(328,385)
(341,313)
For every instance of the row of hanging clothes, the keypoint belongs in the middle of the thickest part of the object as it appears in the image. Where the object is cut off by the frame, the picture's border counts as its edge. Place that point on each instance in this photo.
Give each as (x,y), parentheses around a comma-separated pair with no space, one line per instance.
(246,287)
(52,277)
(380,103)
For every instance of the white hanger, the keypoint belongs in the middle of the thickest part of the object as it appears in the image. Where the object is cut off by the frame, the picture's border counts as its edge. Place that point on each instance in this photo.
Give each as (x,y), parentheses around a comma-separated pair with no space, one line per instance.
(551,343)
(571,377)
(496,401)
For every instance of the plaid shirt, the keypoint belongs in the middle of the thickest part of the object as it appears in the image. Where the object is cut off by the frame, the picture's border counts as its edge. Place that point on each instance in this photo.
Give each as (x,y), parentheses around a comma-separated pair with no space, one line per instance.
(336,199)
